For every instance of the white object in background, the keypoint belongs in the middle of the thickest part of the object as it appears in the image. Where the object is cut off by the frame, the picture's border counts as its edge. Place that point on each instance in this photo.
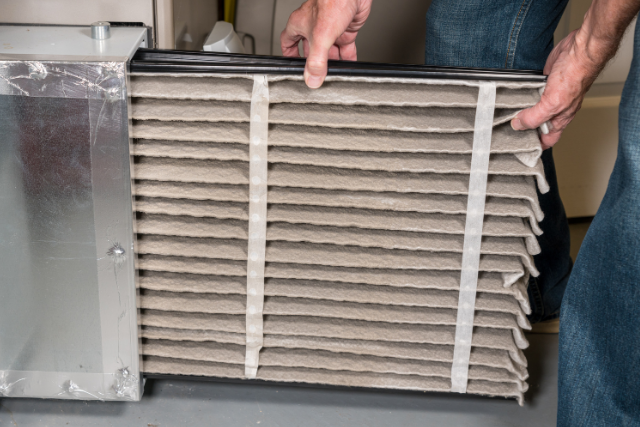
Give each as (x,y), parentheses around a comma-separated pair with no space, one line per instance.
(223,39)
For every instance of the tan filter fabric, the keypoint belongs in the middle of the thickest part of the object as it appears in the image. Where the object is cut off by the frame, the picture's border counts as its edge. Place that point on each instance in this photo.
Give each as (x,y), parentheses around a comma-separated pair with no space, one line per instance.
(232,129)
(345,236)
(367,186)
(314,177)
(495,226)
(335,291)
(325,255)
(380,201)
(279,306)
(340,330)
(403,351)
(502,164)
(321,359)
(333,92)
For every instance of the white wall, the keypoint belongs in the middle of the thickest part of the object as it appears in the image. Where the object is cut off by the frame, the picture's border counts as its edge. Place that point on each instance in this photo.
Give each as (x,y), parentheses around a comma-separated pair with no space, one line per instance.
(254,17)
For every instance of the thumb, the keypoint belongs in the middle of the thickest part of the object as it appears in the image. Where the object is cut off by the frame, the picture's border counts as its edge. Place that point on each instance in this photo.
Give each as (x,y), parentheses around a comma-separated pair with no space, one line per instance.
(316,68)
(532,118)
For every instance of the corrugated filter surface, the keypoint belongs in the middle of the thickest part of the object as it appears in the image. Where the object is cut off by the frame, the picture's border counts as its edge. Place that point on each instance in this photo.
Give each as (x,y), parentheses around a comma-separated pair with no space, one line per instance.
(368,181)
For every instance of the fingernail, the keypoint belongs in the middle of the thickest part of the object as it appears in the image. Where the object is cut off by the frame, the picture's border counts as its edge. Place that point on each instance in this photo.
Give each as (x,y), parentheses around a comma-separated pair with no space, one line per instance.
(516,125)
(314,82)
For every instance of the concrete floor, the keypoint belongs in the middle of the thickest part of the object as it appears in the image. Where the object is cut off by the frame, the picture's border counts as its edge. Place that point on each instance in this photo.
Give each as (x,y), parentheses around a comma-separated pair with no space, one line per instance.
(202,403)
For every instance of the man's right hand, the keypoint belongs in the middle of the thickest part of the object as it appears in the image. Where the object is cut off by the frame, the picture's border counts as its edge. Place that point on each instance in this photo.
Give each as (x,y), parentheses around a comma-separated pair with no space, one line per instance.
(328,30)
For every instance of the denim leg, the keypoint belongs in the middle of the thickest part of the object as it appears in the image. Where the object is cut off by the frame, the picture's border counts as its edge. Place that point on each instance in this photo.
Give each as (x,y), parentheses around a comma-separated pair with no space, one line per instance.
(599,377)
(510,34)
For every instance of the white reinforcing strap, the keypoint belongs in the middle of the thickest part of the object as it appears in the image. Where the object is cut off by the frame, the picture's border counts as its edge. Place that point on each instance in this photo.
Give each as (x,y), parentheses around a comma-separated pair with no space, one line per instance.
(473,235)
(258,139)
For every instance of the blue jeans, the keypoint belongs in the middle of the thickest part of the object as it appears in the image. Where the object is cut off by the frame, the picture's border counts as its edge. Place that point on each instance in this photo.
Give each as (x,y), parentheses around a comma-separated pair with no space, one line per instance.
(599,369)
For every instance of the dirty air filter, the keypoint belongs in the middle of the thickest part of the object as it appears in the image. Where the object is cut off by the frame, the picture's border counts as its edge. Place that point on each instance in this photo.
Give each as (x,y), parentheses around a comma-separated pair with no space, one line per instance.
(323,236)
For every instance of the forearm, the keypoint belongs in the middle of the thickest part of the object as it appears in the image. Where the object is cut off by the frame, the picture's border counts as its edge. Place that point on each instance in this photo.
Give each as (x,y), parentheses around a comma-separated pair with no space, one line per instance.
(605,22)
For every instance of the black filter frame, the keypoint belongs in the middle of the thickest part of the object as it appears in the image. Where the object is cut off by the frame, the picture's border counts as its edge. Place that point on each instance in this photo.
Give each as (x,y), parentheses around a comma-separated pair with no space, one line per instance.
(180,61)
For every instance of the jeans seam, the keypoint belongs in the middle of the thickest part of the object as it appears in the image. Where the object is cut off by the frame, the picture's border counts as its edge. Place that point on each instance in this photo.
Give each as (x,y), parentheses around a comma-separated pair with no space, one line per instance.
(515,33)
(537,312)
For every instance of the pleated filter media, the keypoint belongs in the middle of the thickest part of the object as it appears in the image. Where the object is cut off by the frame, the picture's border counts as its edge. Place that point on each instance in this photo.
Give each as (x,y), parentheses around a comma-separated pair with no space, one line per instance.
(318,236)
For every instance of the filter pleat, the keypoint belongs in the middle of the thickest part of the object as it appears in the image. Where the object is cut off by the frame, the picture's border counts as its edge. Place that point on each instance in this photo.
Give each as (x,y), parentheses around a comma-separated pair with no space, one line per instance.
(368,180)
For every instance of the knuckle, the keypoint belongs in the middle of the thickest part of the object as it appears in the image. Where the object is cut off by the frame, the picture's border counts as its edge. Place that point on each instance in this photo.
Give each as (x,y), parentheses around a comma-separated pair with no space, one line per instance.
(316,64)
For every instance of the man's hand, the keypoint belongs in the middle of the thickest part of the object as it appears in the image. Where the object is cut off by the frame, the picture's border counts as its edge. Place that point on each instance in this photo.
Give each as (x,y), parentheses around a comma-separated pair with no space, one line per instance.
(573,66)
(570,77)
(328,30)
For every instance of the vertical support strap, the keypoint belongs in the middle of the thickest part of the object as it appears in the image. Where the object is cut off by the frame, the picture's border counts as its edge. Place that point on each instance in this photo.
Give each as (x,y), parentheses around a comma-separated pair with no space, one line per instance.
(473,235)
(258,143)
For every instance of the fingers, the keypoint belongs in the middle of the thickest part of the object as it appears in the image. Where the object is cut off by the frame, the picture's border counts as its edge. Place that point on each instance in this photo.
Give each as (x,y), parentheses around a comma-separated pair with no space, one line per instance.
(550,139)
(533,117)
(334,52)
(292,34)
(318,32)
(316,68)
(348,52)
(291,51)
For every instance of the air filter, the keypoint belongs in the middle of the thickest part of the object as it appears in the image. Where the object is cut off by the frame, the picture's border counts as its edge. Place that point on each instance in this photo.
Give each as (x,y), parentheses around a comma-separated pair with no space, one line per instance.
(376,232)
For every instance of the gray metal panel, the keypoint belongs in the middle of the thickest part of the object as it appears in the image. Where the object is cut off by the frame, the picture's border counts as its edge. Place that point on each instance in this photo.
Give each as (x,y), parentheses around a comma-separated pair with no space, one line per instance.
(67,274)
